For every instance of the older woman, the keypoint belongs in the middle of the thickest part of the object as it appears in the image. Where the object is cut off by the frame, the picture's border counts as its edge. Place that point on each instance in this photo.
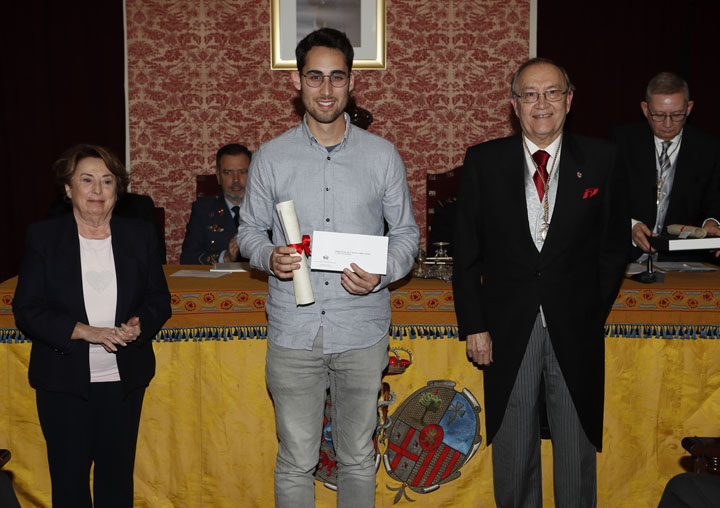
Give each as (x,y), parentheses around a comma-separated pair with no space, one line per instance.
(91,296)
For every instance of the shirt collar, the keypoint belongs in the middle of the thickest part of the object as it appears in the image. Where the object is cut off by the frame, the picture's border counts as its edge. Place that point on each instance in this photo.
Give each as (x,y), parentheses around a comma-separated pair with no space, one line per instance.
(229,204)
(675,141)
(312,139)
(550,149)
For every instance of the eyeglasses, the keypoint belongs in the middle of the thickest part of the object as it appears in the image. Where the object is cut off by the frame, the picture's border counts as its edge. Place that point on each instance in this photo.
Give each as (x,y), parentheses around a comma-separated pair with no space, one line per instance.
(314,79)
(660,117)
(550,96)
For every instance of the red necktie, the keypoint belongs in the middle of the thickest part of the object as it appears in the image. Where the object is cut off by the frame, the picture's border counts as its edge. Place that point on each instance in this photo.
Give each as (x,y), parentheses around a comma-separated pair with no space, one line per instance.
(540,157)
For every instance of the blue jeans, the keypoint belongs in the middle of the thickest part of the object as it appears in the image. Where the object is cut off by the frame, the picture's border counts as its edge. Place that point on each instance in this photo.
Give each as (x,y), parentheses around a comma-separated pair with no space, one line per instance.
(298,380)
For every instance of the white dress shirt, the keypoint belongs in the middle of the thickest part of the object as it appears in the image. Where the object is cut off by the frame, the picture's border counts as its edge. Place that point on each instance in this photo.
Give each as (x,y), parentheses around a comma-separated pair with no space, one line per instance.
(535,207)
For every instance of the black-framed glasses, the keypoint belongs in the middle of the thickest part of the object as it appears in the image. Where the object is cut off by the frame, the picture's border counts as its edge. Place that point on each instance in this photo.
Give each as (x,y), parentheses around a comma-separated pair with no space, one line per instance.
(314,79)
(660,117)
(551,95)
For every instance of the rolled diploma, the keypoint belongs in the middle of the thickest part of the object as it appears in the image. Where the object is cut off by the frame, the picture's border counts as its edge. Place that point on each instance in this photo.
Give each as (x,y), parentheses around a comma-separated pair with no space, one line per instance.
(301,276)
(686,231)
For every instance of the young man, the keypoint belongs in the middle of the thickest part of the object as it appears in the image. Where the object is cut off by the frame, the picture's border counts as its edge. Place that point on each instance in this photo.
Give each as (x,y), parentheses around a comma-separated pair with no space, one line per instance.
(341,179)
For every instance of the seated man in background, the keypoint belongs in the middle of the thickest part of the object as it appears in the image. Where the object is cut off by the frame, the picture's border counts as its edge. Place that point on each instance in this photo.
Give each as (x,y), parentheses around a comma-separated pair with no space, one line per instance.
(673,169)
(210,236)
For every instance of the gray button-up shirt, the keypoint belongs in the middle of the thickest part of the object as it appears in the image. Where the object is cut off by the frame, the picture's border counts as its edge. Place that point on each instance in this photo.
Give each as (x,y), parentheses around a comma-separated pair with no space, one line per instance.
(349,190)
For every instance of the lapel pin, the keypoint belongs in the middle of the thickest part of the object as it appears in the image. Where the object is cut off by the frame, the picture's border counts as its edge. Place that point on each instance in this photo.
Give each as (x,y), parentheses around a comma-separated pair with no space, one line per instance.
(579,174)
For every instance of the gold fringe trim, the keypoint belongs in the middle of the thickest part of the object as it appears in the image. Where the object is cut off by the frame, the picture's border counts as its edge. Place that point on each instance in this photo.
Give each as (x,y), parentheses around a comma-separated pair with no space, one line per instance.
(401,332)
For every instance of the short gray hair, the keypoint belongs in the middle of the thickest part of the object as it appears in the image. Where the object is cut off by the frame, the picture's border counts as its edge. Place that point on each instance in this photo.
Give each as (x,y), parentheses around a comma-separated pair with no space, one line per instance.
(667,83)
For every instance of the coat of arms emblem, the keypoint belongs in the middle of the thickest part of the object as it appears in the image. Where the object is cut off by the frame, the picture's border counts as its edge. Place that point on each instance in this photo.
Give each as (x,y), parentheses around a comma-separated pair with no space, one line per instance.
(428,439)
(432,435)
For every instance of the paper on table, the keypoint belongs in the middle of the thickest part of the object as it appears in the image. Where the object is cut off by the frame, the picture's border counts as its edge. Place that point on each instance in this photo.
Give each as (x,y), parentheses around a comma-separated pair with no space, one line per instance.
(301,277)
(633,268)
(683,266)
(203,274)
(697,267)
(669,266)
(241,266)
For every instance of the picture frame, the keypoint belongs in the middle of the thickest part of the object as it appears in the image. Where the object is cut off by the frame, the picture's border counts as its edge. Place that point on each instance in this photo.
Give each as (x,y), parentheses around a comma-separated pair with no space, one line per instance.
(362,20)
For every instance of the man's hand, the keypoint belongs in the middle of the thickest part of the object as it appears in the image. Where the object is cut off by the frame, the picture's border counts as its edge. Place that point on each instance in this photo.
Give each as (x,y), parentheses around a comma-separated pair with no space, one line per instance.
(640,235)
(283,261)
(358,282)
(479,348)
(711,226)
(233,251)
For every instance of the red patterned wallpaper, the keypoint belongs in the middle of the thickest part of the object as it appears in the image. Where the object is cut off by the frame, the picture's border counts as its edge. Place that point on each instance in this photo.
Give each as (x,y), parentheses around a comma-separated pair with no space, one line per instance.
(199,77)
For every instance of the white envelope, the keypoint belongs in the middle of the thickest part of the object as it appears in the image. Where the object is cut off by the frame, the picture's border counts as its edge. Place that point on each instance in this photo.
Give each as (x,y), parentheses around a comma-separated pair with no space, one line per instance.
(335,251)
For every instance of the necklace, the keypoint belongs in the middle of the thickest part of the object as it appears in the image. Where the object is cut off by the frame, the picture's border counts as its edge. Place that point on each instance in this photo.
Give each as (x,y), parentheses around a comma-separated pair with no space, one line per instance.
(546,186)
(661,171)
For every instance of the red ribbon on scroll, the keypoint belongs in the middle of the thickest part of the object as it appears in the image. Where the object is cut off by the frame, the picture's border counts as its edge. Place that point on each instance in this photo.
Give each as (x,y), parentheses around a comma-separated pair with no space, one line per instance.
(304,246)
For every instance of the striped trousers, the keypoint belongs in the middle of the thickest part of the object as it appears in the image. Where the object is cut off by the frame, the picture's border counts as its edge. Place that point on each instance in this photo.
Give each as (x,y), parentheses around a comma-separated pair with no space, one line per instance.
(517,472)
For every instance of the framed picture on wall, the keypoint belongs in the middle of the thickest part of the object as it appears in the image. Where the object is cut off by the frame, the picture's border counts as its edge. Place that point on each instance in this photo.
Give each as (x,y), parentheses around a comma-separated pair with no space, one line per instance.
(363,21)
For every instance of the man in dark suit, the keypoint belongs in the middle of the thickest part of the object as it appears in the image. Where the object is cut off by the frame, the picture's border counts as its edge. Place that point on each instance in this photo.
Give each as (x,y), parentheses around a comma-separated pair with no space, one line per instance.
(211,233)
(673,169)
(540,250)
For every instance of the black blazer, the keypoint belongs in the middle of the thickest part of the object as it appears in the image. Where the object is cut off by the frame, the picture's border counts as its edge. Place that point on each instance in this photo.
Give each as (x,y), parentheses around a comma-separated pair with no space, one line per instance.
(130,206)
(695,194)
(49,302)
(500,279)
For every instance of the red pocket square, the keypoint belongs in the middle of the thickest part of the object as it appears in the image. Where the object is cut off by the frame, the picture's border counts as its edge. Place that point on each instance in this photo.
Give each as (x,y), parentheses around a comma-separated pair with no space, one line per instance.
(590,192)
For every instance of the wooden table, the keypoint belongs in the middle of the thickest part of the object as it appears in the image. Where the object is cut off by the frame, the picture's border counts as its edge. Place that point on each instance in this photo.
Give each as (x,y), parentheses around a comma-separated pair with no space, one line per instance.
(207,433)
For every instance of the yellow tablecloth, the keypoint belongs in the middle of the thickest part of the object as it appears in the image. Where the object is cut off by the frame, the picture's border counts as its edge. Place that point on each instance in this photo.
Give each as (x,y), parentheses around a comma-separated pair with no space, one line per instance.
(207,431)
